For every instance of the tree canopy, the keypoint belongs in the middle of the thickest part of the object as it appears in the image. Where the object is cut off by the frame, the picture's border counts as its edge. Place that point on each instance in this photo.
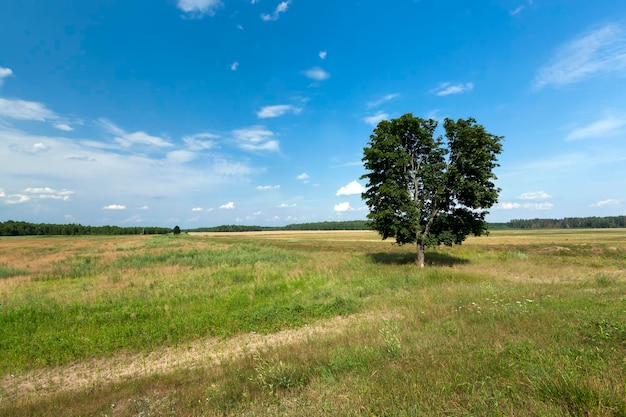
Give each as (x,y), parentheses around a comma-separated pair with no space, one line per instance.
(428,189)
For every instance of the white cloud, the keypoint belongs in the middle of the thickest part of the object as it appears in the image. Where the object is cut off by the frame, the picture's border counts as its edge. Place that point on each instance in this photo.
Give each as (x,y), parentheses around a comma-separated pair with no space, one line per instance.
(510,206)
(281,8)
(609,126)
(608,202)
(4,73)
(375,119)
(63,126)
(268,187)
(127,140)
(304,177)
(322,54)
(255,138)
(352,188)
(446,89)
(114,207)
(517,10)
(286,205)
(197,209)
(539,206)
(535,195)
(598,52)
(341,207)
(181,156)
(234,66)
(198,141)
(39,147)
(48,193)
(383,99)
(199,8)
(143,208)
(25,110)
(528,206)
(228,206)
(2,193)
(317,74)
(16,198)
(277,110)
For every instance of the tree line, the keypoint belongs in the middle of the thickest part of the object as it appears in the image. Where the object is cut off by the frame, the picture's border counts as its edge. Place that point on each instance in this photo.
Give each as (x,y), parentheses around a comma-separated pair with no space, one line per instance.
(569,223)
(328,225)
(14,228)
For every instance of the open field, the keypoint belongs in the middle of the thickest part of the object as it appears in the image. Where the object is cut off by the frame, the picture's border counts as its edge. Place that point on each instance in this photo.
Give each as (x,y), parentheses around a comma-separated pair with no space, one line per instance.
(524,323)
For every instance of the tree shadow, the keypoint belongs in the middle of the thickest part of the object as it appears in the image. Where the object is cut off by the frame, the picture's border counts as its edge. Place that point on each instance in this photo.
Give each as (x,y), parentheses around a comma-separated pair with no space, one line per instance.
(430,258)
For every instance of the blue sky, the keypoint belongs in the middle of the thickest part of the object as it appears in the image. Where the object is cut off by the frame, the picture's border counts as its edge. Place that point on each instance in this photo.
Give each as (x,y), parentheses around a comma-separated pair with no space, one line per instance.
(207,112)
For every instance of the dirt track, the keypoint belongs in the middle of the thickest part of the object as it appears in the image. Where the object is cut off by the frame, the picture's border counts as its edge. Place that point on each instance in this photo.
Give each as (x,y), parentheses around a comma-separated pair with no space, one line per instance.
(196,354)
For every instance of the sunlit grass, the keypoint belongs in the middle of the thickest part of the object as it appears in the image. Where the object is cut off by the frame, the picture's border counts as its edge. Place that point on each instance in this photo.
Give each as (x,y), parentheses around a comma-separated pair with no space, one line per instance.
(516,323)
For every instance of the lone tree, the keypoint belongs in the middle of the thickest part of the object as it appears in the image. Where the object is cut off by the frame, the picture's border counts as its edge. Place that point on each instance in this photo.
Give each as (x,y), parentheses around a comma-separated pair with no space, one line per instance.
(426,190)
(176,230)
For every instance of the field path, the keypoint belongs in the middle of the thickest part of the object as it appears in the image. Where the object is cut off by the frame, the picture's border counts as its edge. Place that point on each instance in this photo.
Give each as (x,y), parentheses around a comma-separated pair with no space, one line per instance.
(195,354)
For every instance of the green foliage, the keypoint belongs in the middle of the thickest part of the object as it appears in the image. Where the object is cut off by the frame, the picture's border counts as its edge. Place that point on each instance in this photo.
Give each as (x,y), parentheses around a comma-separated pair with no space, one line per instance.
(422,189)
(569,223)
(13,228)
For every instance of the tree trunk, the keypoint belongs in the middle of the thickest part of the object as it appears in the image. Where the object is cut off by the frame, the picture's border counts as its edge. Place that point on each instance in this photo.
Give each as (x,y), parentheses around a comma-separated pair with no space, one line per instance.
(419,259)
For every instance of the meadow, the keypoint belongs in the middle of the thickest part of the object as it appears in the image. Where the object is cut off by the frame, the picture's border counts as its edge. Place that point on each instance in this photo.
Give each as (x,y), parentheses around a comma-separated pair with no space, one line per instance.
(523,323)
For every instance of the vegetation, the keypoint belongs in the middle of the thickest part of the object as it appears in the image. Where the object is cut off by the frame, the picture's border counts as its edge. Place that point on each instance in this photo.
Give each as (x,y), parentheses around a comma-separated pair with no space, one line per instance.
(13,228)
(518,323)
(426,191)
(570,223)
(343,225)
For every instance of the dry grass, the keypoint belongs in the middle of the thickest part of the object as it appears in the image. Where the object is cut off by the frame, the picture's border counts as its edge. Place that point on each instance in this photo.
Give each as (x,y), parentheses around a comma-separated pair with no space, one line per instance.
(517,323)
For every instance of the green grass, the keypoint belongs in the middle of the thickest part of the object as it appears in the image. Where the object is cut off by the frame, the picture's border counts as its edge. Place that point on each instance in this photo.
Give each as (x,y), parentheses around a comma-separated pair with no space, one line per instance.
(504,325)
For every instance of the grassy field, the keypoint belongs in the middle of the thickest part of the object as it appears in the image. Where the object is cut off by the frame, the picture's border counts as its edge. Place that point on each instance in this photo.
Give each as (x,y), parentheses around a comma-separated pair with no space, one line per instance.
(524,323)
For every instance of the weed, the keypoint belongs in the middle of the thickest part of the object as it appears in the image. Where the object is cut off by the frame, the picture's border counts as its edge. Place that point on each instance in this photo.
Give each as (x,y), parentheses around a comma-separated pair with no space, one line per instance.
(274,374)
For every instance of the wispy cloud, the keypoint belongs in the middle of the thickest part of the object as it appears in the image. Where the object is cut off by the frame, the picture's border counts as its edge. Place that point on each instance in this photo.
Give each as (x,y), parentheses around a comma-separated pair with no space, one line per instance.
(4,73)
(317,74)
(268,187)
(607,127)
(25,110)
(535,195)
(352,188)
(375,119)
(322,54)
(446,89)
(598,52)
(607,202)
(15,198)
(520,8)
(199,8)
(383,99)
(256,138)
(64,127)
(304,177)
(281,8)
(234,66)
(528,206)
(200,141)
(277,110)
(127,140)
(228,206)
(48,193)
(114,207)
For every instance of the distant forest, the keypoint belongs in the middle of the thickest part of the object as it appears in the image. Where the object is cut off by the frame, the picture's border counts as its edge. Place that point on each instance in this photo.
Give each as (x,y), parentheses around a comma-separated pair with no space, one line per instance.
(570,223)
(14,228)
(347,225)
